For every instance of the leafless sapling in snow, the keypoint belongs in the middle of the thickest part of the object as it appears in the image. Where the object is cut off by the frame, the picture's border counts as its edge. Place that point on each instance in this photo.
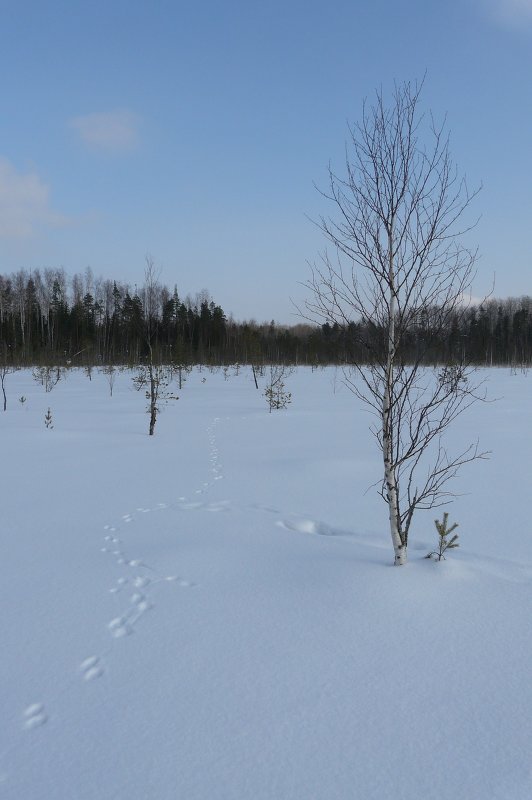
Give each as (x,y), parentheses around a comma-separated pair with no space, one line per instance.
(5,369)
(109,370)
(399,270)
(155,378)
(152,377)
(48,376)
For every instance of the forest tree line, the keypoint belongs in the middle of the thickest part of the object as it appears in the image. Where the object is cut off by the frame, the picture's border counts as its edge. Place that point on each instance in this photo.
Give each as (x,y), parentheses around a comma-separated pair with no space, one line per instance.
(48,318)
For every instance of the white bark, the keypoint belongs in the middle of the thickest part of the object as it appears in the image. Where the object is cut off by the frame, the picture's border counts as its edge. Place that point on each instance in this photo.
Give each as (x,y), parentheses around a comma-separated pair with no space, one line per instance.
(401,272)
(390,476)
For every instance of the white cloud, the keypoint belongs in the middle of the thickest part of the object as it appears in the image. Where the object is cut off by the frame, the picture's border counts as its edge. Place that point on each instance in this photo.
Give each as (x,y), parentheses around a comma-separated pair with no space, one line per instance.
(112,131)
(24,203)
(513,13)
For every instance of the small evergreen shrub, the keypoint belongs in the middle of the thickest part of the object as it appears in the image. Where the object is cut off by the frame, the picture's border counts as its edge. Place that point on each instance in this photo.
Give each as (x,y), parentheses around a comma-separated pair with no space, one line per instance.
(275,393)
(444,542)
(48,421)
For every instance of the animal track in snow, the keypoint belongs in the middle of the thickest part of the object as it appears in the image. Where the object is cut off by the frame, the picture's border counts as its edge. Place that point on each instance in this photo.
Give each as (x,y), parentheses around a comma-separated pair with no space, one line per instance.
(34,716)
(141,581)
(191,506)
(91,668)
(216,467)
(268,509)
(306,526)
(219,505)
(119,627)
(141,602)
(121,582)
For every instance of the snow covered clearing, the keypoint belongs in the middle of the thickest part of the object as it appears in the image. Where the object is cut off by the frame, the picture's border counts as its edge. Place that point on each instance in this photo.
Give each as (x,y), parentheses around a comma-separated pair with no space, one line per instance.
(211,613)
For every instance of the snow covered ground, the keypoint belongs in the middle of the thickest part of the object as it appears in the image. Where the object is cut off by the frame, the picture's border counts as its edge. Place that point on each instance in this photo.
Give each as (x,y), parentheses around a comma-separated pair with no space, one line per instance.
(211,613)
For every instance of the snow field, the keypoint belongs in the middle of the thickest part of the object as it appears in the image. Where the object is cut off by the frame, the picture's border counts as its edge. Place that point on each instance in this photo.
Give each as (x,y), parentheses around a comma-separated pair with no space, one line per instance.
(211,612)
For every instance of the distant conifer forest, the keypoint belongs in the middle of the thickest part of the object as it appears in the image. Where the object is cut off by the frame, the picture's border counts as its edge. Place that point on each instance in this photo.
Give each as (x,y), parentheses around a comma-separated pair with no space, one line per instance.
(48,318)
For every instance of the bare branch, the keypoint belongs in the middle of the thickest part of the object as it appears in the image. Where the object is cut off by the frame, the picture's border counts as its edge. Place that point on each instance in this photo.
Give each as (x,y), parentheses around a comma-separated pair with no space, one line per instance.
(400,272)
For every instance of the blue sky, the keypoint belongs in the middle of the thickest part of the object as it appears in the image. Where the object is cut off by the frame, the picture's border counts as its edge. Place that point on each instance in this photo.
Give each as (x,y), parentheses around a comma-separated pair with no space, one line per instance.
(195,132)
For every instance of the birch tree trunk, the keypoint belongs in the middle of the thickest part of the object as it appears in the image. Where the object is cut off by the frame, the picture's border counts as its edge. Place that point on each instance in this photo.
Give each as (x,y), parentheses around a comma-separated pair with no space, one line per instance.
(390,476)
(153,395)
(400,274)
(153,410)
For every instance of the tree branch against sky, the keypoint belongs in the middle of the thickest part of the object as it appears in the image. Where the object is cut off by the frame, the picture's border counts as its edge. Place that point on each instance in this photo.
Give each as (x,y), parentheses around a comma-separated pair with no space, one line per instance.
(398,267)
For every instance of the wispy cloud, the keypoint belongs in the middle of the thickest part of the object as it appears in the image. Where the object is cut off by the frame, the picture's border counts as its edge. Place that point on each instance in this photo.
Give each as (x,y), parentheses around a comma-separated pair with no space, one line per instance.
(24,203)
(511,13)
(110,131)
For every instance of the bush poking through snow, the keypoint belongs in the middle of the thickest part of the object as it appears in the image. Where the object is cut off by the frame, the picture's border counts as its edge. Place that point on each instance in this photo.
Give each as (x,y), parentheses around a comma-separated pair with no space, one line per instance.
(48,421)
(157,380)
(48,376)
(110,373)
(5,369)
(444,543)
(276,395)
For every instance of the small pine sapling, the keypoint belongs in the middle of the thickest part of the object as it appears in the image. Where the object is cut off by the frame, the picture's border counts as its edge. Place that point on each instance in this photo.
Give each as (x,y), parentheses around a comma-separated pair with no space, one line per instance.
(276,395)
(48,421)
(444,543)
(157,380)
(182,371)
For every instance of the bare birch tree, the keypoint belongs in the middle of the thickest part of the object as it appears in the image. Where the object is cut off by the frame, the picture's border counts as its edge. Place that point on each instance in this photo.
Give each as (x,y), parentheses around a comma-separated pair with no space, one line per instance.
(400,269)
(150,294)
(154,376)
(5,369)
